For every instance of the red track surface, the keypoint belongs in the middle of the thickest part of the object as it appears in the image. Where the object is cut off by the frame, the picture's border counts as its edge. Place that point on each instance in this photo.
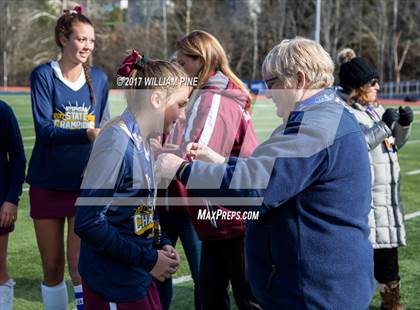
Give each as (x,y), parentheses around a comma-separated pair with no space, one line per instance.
(399,102)
(15,89)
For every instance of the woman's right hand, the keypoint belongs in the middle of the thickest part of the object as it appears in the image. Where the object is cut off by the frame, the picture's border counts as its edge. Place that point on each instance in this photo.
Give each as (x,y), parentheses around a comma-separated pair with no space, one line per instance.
(196,151)
(165,266)
(92,133)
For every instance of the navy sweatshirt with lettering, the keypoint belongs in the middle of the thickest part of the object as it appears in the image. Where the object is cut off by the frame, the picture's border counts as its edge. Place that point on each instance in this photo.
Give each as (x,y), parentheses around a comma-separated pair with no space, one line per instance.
(61,117)
(309,249)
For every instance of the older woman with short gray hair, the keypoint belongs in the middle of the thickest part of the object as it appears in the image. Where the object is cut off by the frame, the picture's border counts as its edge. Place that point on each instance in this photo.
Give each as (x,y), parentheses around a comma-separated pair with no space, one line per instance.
(309,249)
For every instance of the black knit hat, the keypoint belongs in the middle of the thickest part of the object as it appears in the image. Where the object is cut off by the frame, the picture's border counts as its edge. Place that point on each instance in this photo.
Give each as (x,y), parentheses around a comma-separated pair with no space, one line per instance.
(356,73)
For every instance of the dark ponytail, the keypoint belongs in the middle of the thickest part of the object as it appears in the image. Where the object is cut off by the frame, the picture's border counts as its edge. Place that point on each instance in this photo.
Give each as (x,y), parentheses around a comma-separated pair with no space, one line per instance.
(89,83)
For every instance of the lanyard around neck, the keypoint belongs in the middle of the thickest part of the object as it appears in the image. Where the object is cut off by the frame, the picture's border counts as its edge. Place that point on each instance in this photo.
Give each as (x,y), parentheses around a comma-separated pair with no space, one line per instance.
(145,160)
(370,110)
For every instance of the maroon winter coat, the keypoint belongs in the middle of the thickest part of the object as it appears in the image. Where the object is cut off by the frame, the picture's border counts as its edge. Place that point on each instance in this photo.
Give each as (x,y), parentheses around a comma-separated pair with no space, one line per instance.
(219,117)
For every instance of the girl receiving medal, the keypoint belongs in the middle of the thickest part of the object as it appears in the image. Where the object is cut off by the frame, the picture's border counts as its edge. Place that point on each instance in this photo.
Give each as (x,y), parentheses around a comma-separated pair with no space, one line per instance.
(122,249)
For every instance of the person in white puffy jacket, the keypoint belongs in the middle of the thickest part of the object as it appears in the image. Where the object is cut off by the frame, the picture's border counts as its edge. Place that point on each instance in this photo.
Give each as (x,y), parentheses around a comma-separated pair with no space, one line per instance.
(386,131)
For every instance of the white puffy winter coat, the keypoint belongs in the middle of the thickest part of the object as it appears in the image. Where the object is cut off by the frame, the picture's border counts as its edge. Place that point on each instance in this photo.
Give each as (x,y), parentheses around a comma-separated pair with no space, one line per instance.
(386,219)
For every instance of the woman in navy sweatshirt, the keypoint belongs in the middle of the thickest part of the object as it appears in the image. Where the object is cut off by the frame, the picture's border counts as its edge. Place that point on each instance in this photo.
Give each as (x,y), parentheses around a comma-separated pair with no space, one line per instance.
(310,180)
(69,101)
(12,176)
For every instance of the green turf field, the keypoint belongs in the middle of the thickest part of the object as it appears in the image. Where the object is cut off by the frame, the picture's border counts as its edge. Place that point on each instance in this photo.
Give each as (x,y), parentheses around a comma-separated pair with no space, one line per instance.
(24,260)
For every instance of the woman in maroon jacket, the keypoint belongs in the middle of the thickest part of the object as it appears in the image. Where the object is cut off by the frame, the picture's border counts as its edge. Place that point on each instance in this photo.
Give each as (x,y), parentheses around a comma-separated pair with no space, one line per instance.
(218,116)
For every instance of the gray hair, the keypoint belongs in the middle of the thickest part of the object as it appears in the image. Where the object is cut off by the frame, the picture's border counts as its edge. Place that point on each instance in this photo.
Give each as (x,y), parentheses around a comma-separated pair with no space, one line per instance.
(289,57)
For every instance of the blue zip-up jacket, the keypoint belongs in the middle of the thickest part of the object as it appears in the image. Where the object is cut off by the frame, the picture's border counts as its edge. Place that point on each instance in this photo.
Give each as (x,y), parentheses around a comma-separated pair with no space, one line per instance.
(61,117)
(310,248)
(116,218)
(12,157)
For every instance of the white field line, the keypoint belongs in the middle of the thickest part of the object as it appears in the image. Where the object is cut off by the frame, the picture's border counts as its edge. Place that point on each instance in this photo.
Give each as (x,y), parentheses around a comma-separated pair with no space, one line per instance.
(30,138)
(412,215)
(413,141)
(413,172)
(182,279)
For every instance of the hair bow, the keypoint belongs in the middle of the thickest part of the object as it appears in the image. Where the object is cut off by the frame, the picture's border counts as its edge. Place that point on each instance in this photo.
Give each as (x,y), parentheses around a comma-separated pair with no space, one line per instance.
(78,9)
(131,62)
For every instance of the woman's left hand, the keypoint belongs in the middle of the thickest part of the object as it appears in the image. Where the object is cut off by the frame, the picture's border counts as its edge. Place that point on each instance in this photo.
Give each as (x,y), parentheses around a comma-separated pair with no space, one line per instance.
(167,165)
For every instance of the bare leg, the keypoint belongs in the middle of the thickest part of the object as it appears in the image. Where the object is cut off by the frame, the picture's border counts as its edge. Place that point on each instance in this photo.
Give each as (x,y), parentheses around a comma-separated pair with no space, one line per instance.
(49,236)
(4,276)
(73,252)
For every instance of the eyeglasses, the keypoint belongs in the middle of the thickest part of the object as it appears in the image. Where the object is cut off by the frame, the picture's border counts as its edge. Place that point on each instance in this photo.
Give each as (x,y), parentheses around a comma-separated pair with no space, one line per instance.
(373,82)
(270,82)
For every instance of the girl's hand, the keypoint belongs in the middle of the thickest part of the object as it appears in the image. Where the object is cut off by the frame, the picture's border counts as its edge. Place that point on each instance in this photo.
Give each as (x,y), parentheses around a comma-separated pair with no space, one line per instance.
(156,146)
(8,214)
(172,253)
(92,133)
(164,267)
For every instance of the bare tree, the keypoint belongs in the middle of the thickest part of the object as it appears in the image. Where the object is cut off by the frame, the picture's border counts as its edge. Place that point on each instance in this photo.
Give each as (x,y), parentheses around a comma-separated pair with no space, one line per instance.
(399,61)
(254,12)
(188,16)
(384,31)
(405,34)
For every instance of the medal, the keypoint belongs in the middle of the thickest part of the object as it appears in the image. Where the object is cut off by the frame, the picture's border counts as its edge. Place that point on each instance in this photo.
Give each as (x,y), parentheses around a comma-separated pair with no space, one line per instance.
(146,164)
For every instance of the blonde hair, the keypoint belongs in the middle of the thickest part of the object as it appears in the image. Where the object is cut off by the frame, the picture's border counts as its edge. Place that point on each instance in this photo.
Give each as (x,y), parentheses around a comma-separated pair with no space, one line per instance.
(202,45)
(289,57)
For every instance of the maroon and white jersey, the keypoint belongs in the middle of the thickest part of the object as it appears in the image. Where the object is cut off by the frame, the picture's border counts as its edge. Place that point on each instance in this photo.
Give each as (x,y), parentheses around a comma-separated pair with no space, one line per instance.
(219,118)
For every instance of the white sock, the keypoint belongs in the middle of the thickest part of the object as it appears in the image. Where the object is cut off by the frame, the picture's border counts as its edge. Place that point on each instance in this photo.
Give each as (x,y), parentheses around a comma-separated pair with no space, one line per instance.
(78,295)
(55,297)
(6,295)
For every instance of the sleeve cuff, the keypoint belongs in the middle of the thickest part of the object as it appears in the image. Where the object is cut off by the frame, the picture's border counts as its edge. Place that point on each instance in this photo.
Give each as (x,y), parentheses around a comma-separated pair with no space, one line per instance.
(151,260)
(12,198)
(165,241)
(185,174)
(231,161)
